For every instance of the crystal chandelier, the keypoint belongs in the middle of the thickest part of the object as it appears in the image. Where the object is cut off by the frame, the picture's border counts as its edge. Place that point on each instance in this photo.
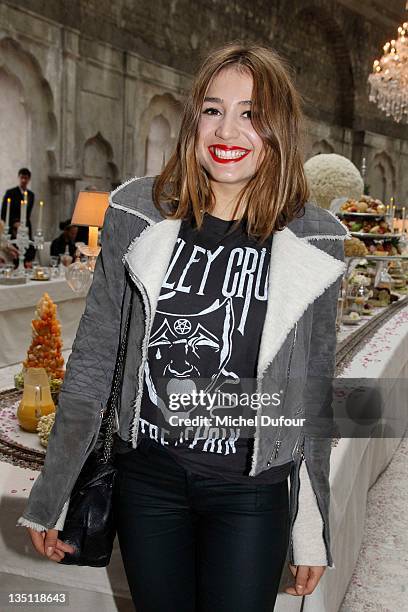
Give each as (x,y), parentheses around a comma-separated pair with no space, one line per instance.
(389,79)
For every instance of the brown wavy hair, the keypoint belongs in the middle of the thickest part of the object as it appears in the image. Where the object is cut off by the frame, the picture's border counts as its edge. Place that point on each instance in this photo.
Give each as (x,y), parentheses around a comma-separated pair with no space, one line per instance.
(278,190)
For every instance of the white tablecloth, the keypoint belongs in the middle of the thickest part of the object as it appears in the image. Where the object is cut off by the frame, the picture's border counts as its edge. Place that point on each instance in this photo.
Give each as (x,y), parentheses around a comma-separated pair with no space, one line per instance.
(355,465)
(17,309)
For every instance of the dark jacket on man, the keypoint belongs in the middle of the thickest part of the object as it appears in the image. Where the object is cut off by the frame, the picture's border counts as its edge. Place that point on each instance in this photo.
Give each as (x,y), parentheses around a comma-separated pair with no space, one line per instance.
(58,246)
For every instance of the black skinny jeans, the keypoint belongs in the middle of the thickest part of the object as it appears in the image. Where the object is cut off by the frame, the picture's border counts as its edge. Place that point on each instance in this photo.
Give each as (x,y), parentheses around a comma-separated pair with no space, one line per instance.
(196,544)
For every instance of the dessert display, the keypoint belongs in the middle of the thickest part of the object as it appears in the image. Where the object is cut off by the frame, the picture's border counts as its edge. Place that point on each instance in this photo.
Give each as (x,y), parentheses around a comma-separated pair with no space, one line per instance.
(46,345)
(44,427)
(371,285)
(399,276)
(351,319)
(368,226)
(40,275)
(355,247)
(367,310)
(381,297)
(365,205)
(357,295)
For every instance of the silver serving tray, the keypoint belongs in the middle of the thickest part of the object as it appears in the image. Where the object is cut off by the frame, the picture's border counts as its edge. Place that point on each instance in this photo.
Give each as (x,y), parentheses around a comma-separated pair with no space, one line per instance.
(342,213)
(378,236)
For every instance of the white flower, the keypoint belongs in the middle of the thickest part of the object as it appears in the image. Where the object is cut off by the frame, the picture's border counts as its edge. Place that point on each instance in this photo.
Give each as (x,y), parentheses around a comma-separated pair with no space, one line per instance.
(332,176)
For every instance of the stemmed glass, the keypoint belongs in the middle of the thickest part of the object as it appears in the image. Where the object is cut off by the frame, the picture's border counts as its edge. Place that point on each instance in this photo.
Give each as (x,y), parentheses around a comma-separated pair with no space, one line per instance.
(54,260)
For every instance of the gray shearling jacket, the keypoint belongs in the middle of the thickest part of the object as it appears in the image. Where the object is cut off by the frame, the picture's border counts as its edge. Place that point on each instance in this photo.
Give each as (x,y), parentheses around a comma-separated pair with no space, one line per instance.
(297,349)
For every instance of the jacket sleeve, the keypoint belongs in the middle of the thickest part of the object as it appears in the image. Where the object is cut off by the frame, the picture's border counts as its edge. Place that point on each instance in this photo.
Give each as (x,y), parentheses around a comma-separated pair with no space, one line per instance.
(91,364)
(311,531)
(86,386)
(308,543)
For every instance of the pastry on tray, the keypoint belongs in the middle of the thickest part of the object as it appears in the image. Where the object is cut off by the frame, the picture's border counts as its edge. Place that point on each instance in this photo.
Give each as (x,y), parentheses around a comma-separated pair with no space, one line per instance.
(355,247)
(365,204)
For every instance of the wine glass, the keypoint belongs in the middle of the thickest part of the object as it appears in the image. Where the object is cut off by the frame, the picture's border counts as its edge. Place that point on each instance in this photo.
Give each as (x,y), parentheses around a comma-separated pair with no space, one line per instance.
(54,260)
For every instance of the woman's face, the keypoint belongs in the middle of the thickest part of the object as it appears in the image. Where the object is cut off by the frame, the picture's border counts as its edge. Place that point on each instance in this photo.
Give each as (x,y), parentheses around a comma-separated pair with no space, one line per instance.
(228,146)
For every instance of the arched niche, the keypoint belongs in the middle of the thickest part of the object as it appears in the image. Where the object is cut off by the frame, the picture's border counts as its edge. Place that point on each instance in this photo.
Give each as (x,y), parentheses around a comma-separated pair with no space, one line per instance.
(160,123)
(15,128)
(98,168)
(381,177)
(158,144)
(28,126)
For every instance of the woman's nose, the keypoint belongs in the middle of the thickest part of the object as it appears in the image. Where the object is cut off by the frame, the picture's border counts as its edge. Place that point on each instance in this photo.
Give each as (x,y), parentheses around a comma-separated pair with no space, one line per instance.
(227,128)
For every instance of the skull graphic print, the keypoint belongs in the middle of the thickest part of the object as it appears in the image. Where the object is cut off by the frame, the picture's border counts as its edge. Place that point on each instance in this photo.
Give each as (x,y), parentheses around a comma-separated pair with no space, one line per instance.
(201,341)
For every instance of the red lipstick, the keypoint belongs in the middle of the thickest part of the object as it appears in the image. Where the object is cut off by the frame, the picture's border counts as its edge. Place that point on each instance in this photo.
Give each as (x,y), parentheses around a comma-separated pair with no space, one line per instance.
(224,147)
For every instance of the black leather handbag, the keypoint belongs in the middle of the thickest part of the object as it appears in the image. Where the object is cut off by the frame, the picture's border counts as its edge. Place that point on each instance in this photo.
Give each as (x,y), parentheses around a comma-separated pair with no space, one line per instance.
(89,524)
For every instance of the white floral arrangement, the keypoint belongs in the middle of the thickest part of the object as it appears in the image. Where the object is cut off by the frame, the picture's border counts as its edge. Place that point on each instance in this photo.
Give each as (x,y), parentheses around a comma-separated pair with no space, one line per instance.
(332,176)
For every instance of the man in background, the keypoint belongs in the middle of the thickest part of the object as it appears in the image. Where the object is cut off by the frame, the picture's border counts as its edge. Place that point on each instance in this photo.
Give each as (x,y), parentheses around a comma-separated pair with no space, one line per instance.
(16,194)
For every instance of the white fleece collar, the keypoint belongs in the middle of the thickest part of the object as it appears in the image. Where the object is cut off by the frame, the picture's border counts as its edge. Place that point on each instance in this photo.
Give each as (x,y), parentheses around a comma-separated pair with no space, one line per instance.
(299,273)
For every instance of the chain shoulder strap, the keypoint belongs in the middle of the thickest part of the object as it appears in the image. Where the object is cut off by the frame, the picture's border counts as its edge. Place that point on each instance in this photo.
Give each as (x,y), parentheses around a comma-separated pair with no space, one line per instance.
(109,415)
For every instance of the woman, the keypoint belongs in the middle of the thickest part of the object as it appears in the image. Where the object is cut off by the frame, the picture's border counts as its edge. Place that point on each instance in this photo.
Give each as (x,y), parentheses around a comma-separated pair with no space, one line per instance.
(234,278)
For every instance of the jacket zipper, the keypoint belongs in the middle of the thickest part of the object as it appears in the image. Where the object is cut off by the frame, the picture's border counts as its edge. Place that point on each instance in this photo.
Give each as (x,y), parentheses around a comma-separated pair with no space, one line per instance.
(291,560)
(301,451)
(299,448)
(278,441)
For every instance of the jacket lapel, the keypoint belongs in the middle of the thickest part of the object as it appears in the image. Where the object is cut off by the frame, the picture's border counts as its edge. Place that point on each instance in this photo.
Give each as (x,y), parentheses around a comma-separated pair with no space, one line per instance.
(148,257)
(299,273)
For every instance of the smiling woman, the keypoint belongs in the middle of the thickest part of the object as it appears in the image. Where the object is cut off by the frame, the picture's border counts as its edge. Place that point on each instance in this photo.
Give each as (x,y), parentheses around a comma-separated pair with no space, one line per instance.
(239,149)
(229,148)
(210,262)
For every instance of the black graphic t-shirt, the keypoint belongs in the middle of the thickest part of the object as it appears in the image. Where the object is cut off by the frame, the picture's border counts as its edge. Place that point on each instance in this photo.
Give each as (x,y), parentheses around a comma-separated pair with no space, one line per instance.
(205,341)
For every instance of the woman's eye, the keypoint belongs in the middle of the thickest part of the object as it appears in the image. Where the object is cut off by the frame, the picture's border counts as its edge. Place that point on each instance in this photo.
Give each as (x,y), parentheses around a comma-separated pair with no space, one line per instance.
(208,111)
(213,111)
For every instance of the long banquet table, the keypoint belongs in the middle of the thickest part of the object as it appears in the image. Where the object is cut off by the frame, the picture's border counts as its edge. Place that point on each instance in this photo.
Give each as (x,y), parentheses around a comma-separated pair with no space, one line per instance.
(355,466)
(17,309)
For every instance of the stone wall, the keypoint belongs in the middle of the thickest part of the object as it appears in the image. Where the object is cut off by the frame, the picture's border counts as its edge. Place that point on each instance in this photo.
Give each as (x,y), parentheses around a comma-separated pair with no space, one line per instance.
(92,92)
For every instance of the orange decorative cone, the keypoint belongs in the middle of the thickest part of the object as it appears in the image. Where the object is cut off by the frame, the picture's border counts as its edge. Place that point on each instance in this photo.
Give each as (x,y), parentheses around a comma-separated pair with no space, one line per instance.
(46,343)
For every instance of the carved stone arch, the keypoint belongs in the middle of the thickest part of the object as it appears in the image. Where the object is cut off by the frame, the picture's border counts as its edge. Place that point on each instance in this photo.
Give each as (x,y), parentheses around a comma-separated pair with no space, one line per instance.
(329,93)
(15,127)
(28,111)
(160,123)
(321,146)
(381,176)
(98,167)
